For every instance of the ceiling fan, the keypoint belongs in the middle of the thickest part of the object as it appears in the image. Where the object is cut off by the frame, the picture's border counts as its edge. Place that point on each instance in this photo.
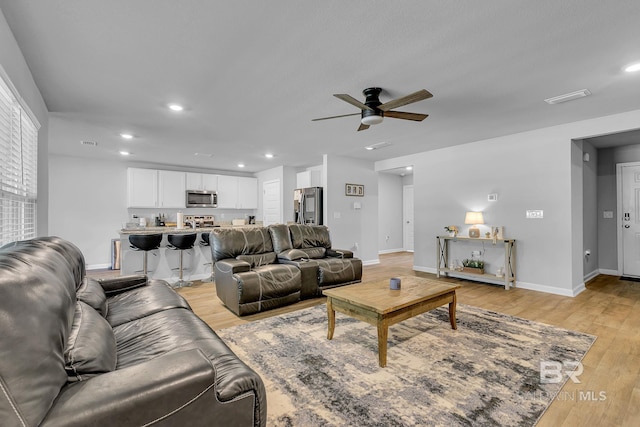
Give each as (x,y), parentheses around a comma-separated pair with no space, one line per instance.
(373,111)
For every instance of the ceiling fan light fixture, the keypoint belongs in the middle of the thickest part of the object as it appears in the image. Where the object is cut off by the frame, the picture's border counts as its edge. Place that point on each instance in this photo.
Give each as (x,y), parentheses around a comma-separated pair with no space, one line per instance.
(371,120)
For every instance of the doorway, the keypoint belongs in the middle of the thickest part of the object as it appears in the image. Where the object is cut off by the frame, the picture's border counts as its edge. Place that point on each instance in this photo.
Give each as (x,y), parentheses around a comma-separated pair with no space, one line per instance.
(271,203)
(407,217)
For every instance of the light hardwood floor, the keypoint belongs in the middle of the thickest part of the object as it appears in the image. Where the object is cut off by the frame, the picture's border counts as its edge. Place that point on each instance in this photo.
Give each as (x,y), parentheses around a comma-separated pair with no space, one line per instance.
(609,309)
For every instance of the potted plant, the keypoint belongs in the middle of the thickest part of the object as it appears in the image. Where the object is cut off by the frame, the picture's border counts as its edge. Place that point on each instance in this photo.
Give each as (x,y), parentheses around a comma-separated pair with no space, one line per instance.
(452,230)
(474,266)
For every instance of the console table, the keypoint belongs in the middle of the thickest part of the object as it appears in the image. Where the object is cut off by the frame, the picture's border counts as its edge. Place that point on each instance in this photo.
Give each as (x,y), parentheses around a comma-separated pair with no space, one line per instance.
(442,264)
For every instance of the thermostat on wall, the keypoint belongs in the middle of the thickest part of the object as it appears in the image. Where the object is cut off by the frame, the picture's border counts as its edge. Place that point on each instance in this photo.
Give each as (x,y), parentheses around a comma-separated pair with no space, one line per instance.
(493,197)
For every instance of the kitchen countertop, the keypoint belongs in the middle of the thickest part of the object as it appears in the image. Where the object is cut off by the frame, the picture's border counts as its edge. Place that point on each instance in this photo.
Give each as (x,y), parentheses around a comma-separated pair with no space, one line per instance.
(174,230)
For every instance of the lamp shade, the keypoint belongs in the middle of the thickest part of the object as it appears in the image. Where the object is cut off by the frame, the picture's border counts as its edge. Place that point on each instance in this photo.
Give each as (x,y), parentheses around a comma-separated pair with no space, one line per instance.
(473,218)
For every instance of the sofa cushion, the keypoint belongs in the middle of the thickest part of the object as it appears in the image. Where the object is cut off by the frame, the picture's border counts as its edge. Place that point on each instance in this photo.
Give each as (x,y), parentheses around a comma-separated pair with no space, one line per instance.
(91,347)
(258,259)
(229,243)
(280,237)
(335,271)
(92,293)
(143,301)
(309,236)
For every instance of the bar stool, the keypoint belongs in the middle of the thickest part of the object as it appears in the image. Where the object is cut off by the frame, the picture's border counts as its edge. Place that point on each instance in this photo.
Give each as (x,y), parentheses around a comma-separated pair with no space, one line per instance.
(205,242)
(146,243)
(181,242)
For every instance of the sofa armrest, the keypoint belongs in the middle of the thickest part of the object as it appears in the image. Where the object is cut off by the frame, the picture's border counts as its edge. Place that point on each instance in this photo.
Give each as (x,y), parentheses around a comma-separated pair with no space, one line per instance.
(232,266)
(178,388)
(339,253)
(292,255)
(116,285)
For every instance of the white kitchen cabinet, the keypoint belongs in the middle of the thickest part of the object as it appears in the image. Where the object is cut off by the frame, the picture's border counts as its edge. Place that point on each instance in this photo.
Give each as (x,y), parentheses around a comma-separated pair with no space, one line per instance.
(247,193)
(237,192)
(201,181)
(227,192)
(151,188)
(142,188)
(171,189)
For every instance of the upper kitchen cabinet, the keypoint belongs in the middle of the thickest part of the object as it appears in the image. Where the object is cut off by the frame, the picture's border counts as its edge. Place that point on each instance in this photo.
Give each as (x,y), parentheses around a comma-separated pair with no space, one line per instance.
(142,188)
(202,181)
(237,192)
(247,193)
(151,188)
(171,189)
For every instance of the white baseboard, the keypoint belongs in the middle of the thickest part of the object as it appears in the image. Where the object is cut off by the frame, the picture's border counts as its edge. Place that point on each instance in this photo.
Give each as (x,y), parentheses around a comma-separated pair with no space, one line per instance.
(98,266)
(424,269)
(610,272)
(591,275)
(391,251)
(371,262)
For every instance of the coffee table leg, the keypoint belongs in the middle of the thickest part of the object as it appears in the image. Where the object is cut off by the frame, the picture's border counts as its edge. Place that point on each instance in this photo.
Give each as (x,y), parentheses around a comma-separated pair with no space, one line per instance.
(331,314)
(452,312)
(383,333)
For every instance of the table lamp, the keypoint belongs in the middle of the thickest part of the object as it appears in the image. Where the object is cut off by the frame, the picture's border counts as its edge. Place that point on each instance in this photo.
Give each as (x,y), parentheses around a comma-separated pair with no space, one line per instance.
(474,218)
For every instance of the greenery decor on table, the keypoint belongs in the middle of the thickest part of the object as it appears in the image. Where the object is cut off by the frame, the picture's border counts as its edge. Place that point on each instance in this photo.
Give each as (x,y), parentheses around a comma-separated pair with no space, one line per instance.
(475,266)
(451,229)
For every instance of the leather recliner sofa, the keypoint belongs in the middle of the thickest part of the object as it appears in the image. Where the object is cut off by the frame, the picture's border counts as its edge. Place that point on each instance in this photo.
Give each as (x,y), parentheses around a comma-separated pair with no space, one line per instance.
(262,268)
(116,352)
(308,247)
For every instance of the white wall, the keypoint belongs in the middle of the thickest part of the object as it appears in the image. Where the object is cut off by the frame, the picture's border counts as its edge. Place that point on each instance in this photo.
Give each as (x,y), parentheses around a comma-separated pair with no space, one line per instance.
(590,210)
(390,206)
(530,170)
(347,225)
(16,69)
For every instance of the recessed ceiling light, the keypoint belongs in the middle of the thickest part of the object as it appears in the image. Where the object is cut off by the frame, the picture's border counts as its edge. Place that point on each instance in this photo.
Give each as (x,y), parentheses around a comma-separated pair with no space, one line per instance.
(409,168)
(126,135)
(240,165)
(203,154)
(378,145)
(176,107)
(370,148)
(124,153)
(269,156)
(633,67)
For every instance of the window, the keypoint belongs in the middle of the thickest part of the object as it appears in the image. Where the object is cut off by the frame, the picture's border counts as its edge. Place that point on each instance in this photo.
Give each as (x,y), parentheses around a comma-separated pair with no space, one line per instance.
(18,167)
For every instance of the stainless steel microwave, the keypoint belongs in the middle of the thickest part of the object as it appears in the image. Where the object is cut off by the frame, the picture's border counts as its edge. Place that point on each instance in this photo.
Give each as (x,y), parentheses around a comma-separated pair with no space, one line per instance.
(202,199)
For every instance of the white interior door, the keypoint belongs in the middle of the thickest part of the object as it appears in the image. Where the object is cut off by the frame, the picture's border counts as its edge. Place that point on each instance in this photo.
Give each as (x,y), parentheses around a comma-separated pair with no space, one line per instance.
(407,217)
(271,203)
(630,219)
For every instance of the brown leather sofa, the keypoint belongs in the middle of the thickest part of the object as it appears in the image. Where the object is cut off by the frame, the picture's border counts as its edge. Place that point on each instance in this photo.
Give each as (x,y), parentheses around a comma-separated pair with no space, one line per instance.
(116,352)
(262,268)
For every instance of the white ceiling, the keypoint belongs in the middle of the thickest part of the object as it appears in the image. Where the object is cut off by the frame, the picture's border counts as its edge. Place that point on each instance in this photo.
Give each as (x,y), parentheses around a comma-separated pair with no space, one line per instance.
(252,74)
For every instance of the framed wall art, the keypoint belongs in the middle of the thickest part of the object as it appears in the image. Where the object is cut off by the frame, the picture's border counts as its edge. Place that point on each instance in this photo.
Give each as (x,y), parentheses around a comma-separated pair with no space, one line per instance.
(354,190)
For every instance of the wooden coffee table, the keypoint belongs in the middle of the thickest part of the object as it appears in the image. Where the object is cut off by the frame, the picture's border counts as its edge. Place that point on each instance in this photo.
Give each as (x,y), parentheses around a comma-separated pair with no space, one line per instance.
(380,306)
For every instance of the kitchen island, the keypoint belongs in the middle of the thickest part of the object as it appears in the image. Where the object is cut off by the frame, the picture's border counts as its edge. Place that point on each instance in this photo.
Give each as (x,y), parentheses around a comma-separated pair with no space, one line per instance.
(163,262)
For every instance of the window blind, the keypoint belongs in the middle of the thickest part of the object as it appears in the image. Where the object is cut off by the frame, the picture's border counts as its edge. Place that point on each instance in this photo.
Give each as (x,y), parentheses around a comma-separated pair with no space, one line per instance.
(18,168)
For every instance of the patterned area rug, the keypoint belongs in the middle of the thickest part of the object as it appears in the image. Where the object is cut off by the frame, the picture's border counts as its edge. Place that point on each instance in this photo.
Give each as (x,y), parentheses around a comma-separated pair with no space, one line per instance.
(487,372)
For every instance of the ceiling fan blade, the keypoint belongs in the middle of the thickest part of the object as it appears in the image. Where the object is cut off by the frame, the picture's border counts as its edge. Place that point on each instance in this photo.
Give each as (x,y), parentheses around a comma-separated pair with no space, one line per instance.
(363,127)
(416,117)
(409,99)
(351,100)
(335,117)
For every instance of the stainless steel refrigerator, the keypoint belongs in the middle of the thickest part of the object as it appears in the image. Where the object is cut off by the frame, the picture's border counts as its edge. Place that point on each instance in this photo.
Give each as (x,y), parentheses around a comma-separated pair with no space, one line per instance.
(307,205)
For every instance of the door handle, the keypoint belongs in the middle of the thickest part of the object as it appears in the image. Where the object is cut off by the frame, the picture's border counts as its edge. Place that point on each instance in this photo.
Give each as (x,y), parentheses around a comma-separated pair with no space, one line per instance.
(627,226)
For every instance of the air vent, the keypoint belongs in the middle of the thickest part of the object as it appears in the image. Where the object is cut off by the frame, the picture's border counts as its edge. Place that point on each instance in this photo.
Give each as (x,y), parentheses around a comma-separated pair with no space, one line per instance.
(378,145)
(89,143)
(568,97)
(203,154)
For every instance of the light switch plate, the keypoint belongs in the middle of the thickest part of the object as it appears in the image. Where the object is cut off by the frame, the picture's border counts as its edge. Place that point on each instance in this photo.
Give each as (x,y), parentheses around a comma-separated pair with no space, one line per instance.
(535,214)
